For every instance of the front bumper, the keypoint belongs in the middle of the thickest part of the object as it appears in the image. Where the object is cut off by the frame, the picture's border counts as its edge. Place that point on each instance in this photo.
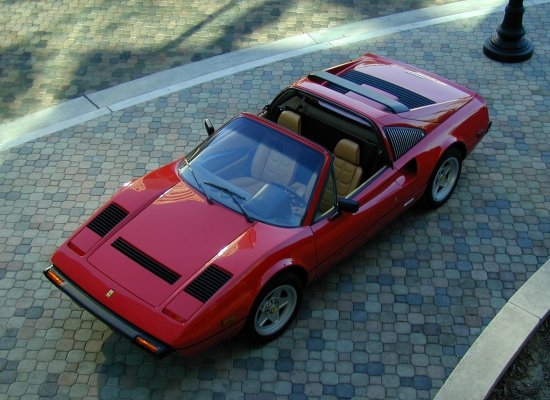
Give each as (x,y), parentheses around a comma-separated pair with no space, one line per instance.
(135,334)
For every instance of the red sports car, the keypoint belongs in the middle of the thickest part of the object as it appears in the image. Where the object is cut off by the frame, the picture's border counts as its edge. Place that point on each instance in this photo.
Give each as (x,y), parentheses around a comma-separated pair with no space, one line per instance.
(225,239)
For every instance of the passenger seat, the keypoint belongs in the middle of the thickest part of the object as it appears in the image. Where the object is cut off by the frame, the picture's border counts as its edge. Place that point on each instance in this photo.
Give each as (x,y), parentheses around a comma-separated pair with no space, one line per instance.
(347,168)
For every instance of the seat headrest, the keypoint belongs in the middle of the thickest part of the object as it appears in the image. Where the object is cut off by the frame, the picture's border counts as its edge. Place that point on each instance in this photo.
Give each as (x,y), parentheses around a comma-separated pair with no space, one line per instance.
(290,120)
(348,151)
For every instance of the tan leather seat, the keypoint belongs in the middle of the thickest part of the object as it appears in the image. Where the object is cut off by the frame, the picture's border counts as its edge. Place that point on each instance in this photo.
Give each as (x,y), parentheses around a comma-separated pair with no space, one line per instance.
(291,120)
(268,165)
(347,169)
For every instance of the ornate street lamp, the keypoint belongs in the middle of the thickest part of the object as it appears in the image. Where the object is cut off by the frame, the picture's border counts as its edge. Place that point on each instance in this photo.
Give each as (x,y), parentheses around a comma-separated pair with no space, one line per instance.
(509,44)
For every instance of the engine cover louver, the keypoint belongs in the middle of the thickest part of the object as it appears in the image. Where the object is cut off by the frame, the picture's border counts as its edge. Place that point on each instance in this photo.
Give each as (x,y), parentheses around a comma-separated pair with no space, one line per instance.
(107,219)
(145,261)
(405,96)
(207,283)
(403,139)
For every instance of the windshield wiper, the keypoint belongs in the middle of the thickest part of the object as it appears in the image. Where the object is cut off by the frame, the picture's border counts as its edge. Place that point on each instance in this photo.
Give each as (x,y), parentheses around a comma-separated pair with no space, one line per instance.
(234,196)
(208,199)
(225,190)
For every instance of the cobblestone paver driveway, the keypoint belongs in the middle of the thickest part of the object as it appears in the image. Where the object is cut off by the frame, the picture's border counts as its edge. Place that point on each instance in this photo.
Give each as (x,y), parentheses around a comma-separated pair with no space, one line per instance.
(390,322)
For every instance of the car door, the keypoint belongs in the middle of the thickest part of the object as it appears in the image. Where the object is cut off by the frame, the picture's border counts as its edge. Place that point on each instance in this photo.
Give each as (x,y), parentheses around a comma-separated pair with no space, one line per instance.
(383,197)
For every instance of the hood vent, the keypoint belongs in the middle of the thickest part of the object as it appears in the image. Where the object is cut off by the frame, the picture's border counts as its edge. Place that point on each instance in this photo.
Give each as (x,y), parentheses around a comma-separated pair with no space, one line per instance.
(107,219)
(145,261)
(207,283)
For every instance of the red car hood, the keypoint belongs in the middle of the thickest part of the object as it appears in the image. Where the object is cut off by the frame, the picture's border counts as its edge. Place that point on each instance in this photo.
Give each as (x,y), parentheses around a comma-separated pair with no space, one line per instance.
(168,242)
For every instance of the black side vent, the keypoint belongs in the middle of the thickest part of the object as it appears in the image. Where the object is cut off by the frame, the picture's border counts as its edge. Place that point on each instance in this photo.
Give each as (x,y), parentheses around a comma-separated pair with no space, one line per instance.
(145,261)
(107,219)
(207,283)
(403,139)
(405,96)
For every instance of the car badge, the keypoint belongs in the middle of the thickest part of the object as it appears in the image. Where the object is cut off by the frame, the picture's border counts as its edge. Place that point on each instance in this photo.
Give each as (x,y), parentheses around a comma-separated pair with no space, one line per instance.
(109,293)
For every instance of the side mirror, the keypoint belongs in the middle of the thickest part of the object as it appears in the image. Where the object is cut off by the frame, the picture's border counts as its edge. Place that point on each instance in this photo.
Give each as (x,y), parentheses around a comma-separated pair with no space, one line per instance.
(209,127)
(348,205)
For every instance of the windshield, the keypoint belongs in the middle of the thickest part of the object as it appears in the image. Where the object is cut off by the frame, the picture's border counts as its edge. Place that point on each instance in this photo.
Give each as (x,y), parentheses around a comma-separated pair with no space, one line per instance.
(256,171)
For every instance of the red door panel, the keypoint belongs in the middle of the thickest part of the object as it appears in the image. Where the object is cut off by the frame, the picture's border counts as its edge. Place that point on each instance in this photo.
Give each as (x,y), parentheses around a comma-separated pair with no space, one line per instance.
(382,199)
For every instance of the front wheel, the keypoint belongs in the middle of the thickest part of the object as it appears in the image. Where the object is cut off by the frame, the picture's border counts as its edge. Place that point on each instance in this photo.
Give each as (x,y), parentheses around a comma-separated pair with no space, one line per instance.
(274,309)
(444,179)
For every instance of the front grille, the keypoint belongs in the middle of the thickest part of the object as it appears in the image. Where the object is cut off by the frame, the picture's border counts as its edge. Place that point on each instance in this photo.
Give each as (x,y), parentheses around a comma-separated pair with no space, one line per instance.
(145,261)
(207,283)
(403,139)
(107,219)
(405,96)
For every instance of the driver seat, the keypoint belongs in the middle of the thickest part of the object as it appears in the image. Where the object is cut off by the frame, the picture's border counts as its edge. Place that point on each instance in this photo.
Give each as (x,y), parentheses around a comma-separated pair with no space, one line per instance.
(290,120)
(347,169)
(269,164)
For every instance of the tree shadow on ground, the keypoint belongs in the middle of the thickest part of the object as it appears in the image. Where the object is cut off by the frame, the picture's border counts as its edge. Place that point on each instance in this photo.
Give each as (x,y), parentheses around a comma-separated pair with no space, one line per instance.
(34,75)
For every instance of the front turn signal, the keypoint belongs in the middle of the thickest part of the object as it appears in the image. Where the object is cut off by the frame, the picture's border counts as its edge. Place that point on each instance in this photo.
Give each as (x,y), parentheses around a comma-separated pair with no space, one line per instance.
(146,344)
(53,277)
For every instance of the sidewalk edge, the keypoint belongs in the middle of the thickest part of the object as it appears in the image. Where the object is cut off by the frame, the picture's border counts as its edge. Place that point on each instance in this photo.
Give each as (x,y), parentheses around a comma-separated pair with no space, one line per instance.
(495,349)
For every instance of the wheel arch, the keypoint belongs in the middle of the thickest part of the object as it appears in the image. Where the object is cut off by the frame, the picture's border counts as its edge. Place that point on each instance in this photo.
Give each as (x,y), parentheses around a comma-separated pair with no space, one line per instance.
(282,268)
(460,146)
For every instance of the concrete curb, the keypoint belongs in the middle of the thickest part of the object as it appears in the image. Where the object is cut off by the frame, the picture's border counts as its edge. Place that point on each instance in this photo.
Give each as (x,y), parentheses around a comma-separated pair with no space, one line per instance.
(127,94)
(495,349)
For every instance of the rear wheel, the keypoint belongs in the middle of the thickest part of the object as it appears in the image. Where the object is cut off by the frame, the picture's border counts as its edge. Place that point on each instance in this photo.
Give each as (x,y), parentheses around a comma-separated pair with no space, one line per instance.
(444,179)
(274,309)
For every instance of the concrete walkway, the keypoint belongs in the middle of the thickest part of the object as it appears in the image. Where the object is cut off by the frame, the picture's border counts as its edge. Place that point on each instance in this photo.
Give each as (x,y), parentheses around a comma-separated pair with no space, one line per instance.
(95,104)
(57,50)
(405,317)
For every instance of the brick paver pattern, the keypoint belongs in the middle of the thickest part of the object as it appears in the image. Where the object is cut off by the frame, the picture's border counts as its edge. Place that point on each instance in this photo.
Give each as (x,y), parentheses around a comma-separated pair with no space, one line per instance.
(389,322)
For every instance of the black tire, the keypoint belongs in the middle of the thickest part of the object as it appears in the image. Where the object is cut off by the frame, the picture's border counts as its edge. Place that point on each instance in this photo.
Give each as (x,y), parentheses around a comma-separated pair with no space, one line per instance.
(443,181)
(274,309)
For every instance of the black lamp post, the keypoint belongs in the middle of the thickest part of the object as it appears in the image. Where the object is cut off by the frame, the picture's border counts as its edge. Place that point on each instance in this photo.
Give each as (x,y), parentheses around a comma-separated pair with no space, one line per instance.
(509,44)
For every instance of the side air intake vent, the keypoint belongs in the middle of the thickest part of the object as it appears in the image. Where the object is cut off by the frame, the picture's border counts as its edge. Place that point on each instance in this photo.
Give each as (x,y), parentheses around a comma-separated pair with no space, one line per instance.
(207,283)
(403,139)
(145,261)
(107,219)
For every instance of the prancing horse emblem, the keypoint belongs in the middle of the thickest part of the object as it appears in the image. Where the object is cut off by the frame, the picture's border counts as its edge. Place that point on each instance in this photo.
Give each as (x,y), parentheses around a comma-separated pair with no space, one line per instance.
(109,293)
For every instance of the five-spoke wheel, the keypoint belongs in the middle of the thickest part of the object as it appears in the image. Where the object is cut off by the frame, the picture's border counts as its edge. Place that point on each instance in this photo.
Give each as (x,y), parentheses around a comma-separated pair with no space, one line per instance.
(275,308)
(444,179)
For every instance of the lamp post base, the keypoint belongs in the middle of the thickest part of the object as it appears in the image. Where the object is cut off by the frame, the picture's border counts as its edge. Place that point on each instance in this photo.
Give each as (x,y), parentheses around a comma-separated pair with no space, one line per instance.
(508,52)
(509,44)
